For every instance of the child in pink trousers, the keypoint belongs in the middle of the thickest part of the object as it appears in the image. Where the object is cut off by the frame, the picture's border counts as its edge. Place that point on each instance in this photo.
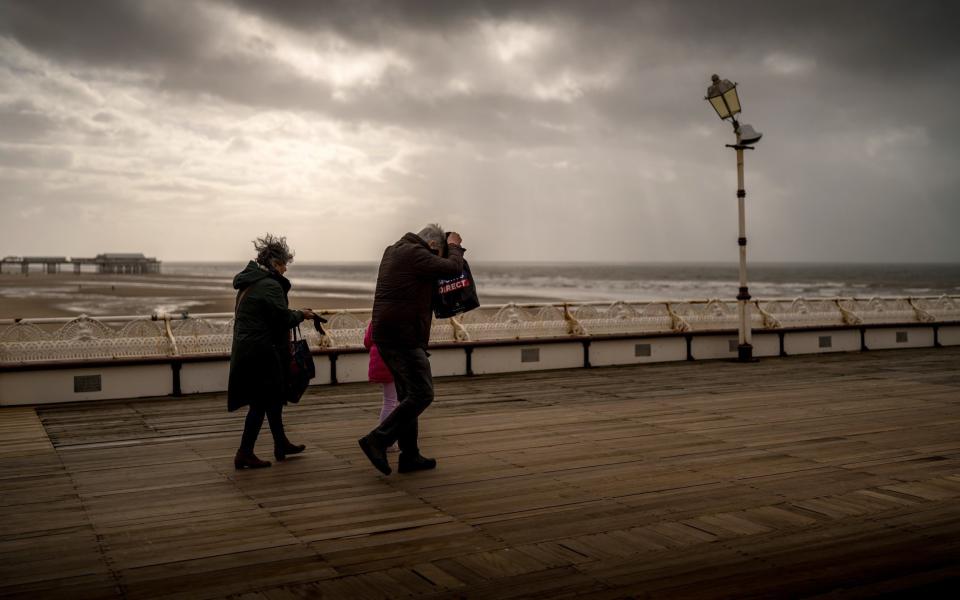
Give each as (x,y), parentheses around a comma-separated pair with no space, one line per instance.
(378,372)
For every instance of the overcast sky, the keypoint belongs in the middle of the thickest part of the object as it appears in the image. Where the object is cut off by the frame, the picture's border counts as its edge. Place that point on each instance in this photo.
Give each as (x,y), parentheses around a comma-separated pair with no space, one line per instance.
(539,130)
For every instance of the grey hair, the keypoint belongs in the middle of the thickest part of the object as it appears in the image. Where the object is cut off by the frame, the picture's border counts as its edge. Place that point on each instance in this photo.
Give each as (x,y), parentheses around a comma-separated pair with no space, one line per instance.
(433,233)
(272,248)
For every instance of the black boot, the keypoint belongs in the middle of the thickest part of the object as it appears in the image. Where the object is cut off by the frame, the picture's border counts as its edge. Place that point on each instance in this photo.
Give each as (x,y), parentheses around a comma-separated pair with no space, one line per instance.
(285,448)
(410,462)
(248,460)
(376,454)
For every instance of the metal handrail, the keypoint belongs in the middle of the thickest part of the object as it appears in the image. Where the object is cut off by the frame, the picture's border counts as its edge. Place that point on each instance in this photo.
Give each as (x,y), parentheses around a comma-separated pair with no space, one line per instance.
(161,316)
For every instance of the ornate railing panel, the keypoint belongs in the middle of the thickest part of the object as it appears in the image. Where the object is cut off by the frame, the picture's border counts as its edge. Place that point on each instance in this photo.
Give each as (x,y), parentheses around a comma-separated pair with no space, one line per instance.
(943,308)
(623,317)
(201,336)
(803,312)
(83,338)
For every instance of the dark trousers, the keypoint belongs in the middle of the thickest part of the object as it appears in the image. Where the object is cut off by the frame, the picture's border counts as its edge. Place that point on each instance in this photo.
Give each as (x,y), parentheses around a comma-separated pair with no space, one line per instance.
(411,374)
(254,421)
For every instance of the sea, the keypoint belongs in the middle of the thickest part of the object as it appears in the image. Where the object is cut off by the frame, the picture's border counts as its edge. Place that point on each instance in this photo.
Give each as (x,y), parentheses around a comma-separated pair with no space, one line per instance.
(582,282)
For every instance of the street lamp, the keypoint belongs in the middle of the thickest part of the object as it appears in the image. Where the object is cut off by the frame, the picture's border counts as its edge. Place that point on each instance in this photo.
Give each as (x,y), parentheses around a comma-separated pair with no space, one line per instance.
(722,95)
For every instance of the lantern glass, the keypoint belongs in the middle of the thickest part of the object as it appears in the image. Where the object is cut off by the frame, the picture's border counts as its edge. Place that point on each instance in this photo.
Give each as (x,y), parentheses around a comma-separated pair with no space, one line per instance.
(732,99)
(720,107)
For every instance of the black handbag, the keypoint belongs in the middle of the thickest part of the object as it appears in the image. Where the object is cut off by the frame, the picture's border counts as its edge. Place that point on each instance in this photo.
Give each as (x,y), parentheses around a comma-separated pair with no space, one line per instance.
(301,370)
(452,297)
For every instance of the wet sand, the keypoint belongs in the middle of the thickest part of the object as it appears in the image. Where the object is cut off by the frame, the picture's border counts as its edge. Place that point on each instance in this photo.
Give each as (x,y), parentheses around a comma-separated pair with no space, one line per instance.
(69,295)
(39,295)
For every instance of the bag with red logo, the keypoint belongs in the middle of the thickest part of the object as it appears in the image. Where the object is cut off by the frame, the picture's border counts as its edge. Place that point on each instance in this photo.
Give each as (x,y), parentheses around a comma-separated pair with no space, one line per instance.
(454,296)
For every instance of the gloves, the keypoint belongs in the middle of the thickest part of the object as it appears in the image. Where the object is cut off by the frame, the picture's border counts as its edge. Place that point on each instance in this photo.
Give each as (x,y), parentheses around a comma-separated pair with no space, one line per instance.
(317,320)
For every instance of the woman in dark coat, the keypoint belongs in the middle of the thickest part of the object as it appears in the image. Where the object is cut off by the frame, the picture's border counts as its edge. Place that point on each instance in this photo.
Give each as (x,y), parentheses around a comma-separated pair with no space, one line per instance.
(260,355)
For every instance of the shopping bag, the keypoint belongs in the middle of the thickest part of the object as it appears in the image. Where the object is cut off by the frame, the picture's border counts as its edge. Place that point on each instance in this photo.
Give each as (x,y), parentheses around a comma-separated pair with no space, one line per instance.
(452,297)
(301,370)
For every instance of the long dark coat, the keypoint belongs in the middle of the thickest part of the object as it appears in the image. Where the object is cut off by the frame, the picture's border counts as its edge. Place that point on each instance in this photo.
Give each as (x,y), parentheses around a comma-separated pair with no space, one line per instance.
(409,271)
(261,351)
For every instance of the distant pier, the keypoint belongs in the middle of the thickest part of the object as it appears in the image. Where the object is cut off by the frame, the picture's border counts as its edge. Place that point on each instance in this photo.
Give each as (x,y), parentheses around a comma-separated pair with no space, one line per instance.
(125,263)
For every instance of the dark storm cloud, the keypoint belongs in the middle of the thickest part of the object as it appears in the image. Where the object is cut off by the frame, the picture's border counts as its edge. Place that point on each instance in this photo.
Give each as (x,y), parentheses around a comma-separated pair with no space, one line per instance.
(880,43)
(886,37)
(172,42)
(919,32)
(131,33)
(376,22)
(874,56)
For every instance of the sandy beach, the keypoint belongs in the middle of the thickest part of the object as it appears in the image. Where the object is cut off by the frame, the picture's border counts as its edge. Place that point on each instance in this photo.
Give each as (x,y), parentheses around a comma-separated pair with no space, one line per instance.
(39,295)
(69,295)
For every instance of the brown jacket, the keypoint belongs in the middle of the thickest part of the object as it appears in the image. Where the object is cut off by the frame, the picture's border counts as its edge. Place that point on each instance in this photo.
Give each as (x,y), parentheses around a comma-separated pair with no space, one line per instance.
(402,310)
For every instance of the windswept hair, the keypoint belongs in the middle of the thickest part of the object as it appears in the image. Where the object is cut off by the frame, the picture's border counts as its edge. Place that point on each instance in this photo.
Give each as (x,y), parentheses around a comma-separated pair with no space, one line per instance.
(433,233)
(272,248)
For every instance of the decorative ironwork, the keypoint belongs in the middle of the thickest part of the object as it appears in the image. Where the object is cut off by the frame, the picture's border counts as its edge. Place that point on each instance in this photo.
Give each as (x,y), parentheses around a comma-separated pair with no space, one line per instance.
(86,338)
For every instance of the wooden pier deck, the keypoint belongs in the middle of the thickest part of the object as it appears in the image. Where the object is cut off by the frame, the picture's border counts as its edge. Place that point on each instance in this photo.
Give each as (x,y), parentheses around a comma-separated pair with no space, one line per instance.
(834,475)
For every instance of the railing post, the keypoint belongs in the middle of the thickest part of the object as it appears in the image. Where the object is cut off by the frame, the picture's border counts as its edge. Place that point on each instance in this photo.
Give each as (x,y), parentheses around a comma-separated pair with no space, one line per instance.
(468,351)
(175,366)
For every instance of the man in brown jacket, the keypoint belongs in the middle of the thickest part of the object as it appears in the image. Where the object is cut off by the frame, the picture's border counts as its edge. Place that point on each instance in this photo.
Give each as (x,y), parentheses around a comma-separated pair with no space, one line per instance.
(402,315)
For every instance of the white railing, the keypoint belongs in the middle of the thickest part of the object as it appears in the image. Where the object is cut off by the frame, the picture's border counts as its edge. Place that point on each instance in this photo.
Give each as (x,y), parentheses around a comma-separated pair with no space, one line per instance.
(163,335)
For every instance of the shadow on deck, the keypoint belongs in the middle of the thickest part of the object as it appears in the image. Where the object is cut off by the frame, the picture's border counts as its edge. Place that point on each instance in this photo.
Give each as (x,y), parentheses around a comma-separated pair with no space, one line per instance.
(789,477)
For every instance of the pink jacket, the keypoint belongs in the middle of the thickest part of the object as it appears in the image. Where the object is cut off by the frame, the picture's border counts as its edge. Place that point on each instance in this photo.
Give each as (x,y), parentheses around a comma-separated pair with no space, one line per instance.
(378,372)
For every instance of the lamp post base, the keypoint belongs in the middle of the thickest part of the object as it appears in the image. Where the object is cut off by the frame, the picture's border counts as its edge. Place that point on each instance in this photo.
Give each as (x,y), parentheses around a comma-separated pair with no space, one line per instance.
(745,353)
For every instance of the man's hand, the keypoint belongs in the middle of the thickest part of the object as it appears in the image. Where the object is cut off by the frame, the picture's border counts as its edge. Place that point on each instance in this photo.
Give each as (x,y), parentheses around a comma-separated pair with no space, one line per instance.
(454,238)
(307,313)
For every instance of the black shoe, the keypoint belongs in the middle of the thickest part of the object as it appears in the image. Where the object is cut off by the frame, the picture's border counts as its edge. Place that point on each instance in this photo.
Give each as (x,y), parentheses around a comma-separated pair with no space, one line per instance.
(375,454)
(281,452)
(248,460)
(415,462)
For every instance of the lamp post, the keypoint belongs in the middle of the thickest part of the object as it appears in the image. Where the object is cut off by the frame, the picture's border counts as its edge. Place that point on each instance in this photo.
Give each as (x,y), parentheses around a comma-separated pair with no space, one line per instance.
(722,95)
